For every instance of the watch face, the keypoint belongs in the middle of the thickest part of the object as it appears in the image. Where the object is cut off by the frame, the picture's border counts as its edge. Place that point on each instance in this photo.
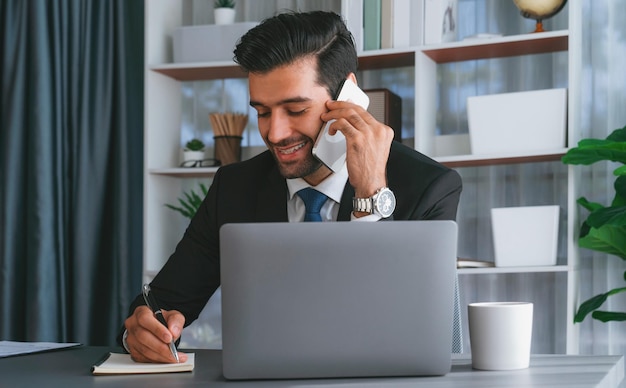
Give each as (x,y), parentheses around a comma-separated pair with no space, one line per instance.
(385,203)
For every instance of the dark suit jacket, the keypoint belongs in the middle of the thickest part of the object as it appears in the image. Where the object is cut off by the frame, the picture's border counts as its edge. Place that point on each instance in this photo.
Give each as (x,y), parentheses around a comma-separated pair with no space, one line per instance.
(254,191)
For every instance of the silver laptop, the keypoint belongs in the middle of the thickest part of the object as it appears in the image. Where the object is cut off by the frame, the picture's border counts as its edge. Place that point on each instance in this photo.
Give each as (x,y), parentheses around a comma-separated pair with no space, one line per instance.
(338,299)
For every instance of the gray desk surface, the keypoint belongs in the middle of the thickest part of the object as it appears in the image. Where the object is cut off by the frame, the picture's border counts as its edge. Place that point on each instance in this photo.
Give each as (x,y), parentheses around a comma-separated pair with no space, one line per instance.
(72,368)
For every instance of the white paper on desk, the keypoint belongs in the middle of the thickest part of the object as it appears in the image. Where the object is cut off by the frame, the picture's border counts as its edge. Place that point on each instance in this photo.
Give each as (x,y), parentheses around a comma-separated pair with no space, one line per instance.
(117,363)
(15,348)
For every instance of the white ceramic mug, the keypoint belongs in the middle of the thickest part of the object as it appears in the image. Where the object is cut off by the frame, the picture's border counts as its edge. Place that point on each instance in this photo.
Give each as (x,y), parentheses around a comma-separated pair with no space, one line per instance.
(500,334)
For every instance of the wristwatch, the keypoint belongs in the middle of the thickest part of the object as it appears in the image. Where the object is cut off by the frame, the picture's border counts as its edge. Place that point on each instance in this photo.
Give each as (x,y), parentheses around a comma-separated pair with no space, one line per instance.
(383,203)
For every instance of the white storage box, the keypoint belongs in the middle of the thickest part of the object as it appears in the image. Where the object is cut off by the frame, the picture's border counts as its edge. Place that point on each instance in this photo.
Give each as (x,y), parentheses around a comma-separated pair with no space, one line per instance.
(451,145)
(518,123)
(525,235)
(209,42)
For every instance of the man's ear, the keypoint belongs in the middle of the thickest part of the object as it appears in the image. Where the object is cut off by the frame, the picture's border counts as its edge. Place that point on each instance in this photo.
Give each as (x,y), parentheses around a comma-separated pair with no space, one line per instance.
(352,77)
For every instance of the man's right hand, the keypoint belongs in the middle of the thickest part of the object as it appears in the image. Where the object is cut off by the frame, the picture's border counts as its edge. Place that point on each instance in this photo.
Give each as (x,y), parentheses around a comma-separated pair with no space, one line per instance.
(148,340)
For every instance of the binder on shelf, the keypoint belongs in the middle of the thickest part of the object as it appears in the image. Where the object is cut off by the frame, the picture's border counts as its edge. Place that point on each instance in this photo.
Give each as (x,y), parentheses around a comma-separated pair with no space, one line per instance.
(386,23)
(386,107)
(371,24)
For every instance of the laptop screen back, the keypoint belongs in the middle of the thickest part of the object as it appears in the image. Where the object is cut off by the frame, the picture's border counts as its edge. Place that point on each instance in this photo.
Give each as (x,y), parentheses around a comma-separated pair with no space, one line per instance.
(340,299)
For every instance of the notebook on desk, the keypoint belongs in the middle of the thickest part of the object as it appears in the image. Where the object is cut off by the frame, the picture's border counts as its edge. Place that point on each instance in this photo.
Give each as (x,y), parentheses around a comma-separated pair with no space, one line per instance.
(339,299)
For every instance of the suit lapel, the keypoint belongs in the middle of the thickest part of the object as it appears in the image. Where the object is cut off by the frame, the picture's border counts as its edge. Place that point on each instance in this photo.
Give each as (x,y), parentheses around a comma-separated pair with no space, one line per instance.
(345,207)
(271,207)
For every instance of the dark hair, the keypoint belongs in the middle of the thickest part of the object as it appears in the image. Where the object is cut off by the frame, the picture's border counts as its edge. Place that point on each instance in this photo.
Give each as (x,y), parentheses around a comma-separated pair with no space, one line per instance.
(287,37)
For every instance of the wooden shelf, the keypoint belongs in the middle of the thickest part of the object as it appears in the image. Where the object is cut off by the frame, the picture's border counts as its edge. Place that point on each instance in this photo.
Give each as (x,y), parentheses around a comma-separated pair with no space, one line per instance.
(386,59)
(197,71)
(473,49)
(490,160)
(200,71)
(507,46)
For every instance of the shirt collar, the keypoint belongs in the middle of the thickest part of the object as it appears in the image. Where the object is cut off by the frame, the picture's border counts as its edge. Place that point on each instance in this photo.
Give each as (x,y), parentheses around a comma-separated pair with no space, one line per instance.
(332,186)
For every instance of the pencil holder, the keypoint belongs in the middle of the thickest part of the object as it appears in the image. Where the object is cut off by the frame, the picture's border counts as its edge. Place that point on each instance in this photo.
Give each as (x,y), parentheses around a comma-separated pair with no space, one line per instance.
(227,149)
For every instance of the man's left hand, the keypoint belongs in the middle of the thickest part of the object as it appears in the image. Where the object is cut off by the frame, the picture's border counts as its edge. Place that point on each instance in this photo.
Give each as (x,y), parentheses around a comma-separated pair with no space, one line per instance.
(368,143)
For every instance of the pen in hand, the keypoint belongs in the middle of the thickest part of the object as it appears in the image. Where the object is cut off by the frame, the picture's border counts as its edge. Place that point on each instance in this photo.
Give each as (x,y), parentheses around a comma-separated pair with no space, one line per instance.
(152,305)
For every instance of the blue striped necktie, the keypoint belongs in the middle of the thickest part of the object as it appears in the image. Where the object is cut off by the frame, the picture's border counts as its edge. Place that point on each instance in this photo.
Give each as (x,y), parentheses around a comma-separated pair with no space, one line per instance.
(313,202)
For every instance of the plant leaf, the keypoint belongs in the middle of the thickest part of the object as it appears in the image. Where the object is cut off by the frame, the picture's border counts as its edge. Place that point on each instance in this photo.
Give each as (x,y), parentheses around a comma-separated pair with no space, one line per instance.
(607,216)
(190,203)
(591,206)
(195,199)
(589,152)
(188,197)
(190,210)
(593,150)
(608,239)
(178,209)
(584,231)
(594,303)
(589,305)
(618,135)
(606,316)
(620,191)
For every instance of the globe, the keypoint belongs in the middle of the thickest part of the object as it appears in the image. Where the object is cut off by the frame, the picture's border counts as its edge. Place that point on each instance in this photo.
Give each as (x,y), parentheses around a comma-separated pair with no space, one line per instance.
(539,10)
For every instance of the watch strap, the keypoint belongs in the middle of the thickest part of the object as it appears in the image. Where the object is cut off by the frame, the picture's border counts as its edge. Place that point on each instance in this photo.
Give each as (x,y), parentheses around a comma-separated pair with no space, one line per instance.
(363,205)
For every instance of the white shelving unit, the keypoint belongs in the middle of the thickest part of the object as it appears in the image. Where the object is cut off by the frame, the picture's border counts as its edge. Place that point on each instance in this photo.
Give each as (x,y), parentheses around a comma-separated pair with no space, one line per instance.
(163,183)
(426,61)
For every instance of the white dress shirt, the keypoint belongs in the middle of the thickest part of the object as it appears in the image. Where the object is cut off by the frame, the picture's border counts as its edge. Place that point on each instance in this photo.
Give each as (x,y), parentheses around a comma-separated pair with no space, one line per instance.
(332,187)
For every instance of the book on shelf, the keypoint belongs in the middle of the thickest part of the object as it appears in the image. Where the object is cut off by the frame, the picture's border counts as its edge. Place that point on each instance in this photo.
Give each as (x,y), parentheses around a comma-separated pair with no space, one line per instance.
(462,262)
(386,23)
(118,363)
(398,23)
(416,22)
(403,25)
(352,13)
(371,24)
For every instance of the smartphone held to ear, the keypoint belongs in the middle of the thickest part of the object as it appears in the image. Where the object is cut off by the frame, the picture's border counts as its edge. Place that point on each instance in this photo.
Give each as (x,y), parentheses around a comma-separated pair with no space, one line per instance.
(331,150)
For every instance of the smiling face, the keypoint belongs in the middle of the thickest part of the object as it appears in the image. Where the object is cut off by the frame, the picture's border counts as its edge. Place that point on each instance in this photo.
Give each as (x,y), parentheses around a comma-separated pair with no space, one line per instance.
(289,102)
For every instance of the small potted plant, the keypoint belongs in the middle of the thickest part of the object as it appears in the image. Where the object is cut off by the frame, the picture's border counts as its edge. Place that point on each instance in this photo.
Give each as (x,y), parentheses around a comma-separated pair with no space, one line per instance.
(190,204)
(193,151)
(224,11)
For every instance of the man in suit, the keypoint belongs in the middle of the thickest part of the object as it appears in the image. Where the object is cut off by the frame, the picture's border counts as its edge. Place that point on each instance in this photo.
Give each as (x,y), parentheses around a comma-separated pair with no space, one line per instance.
(296,63)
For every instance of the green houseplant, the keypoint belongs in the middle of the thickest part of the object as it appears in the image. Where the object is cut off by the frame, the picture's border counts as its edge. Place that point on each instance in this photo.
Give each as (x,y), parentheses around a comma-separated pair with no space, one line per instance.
(604,230)
(224,11)
(194,145)
(190,203)
(193,152)
(224,4)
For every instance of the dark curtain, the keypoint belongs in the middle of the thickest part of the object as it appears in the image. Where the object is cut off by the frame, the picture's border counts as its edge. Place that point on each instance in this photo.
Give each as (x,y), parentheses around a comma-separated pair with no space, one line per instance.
(71,167)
